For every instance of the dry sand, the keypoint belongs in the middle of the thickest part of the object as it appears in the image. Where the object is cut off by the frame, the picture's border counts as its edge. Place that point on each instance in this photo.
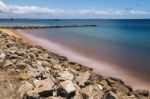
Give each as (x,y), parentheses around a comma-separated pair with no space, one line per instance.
(13,32)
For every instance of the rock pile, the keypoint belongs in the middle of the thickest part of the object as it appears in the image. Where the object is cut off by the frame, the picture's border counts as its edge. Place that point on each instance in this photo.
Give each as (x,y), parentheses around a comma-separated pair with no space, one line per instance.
(46,75)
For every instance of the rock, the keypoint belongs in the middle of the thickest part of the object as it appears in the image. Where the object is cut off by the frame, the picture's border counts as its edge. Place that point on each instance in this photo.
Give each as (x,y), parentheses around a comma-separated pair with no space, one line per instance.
(121,88)
(23,89)
(79,96)
(110,95)
(31,56)
(95,78)
(54,61)
(129,97)
(61,92)
(19,53)
(23,75)
(82,78)
(75,66)
(85,68)
(21,65)
(93,92)
(121,95)
(15,57)
(114,80)
(2,58)
(33,49)
(118,85)
(73,71)
(63,58)
(142,92)
(37,71)
(65,75)
(43,88)
(32,95)
(129,87)
(46,64)
(68,86)
(46,83)
(57,66)
(8,64)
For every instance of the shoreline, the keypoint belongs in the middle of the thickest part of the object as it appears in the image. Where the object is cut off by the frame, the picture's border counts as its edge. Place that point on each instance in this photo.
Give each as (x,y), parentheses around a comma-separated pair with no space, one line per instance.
(99,67)
(39,73)
(13,32)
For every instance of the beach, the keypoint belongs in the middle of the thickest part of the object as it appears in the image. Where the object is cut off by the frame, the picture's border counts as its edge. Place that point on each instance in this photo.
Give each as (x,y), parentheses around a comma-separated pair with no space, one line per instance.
(64,74)
(99,67)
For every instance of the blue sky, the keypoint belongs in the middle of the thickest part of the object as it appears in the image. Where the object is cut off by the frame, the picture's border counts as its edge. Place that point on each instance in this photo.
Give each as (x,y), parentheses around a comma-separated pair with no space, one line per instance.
(75,8)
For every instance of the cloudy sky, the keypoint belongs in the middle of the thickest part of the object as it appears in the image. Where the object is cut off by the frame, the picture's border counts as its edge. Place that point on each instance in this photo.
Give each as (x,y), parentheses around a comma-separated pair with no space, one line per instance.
(75,9)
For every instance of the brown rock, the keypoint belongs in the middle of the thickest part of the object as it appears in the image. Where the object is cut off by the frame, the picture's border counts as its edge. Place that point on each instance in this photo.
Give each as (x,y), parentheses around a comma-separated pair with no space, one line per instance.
(142,92)
(82,78)
(23,89)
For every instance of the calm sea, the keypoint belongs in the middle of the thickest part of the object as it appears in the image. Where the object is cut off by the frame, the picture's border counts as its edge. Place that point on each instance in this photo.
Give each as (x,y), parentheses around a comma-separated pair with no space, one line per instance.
(123,43)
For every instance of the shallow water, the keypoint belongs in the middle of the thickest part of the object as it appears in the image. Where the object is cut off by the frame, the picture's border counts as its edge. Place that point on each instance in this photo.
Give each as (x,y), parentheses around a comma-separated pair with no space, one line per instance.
(124,43)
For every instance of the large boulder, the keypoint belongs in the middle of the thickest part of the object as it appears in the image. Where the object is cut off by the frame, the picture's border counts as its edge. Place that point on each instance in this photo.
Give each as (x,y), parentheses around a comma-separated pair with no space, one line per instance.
(43,88)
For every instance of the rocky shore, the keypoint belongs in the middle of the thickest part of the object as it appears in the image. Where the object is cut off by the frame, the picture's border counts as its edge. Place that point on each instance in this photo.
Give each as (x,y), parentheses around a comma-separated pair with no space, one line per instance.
(31,72)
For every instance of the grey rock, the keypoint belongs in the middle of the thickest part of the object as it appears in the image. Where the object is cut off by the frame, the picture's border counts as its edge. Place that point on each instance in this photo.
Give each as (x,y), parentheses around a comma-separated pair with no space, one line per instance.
(68,86)
(8,64)
(57,66)
(66,75)
(33,49)
(54,61)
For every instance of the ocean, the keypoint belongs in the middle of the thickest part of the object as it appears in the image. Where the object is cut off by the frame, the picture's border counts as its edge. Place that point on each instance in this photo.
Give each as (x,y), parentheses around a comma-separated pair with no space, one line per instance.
(119,43)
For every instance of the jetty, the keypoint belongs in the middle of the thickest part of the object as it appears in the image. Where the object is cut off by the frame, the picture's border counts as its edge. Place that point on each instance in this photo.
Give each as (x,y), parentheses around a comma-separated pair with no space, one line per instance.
(44,26)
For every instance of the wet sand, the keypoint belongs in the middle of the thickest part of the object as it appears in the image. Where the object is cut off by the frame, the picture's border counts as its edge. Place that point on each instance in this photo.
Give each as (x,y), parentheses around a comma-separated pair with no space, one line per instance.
(101,68)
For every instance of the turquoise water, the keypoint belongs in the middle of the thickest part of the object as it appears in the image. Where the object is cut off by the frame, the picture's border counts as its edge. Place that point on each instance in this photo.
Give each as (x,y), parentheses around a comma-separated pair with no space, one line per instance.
(123,43)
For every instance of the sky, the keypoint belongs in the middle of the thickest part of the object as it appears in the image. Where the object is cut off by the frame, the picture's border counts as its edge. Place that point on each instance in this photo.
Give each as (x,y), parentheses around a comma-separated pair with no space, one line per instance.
(75,9)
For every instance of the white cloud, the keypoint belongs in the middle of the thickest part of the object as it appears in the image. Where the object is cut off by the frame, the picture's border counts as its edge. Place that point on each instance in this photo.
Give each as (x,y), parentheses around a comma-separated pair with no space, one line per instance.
(7,11)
